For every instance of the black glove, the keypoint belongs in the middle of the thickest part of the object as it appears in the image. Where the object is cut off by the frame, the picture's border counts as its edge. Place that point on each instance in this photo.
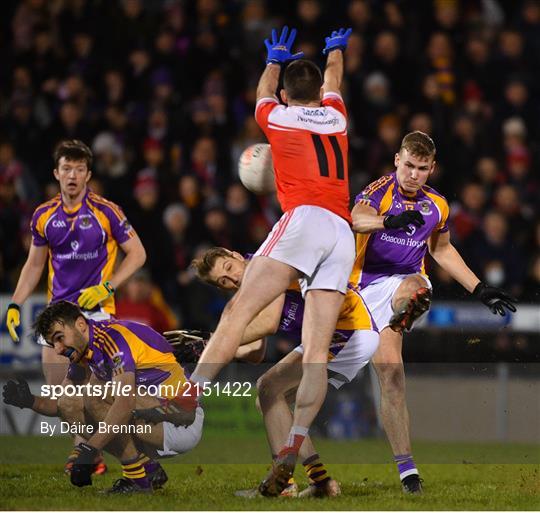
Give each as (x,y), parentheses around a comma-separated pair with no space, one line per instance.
(404,219)
(83,465)
(495,299)
(18,394)
(188,345)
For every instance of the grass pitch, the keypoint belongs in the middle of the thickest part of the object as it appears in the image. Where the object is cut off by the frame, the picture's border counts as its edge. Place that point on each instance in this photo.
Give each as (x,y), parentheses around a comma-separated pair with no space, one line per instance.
(457,477)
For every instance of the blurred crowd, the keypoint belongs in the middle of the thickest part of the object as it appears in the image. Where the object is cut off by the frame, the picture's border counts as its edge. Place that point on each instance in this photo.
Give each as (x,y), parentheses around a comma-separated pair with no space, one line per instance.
(164,91)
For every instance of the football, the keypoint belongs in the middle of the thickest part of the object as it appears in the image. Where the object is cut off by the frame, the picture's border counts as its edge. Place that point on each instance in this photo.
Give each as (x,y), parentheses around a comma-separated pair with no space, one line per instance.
(256,170)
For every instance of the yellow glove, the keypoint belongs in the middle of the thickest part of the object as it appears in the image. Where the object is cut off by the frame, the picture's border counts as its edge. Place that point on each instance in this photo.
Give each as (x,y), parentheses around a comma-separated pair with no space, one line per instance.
(13,320)
(91,296)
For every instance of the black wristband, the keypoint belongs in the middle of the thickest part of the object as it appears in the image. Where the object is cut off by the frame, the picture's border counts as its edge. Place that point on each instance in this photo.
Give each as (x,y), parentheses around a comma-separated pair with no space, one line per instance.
(479,288)
(14,305)
(386,219)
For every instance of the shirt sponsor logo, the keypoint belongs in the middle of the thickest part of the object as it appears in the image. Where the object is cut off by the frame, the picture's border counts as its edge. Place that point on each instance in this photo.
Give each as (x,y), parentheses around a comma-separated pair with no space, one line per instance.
(89,255)
(401,241)
(287,320)
(57,223)
(331,122)
(313,112)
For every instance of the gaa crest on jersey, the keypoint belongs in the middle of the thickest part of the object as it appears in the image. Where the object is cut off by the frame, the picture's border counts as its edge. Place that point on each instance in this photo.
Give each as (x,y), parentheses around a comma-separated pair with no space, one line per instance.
(117,361)
(425,208)
(74,245)
(85,223)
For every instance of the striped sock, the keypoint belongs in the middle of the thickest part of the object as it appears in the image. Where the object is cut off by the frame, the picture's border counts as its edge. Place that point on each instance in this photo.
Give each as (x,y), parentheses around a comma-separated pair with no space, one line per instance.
(405,465)
(135,471)
(316,470)
(74,454)
(149,465)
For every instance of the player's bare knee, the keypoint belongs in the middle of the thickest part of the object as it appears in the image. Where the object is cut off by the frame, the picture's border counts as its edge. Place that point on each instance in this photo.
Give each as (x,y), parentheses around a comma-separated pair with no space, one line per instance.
(267,391)
(70,409)
(315,356)
(94,406)
(408,287)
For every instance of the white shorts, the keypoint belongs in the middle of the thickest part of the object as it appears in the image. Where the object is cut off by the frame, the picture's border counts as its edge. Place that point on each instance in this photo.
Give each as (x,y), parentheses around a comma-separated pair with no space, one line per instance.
(357,352)
(95,316)
(378,297)
(317,242)
(180,439)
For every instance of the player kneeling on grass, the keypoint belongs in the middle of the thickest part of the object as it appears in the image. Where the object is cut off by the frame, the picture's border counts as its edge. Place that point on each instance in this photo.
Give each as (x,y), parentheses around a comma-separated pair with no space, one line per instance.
(126,365)
(354,342)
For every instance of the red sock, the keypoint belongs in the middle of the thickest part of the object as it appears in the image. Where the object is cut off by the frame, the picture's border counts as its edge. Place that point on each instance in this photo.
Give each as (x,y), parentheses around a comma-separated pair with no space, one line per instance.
(187,397)
(293,446)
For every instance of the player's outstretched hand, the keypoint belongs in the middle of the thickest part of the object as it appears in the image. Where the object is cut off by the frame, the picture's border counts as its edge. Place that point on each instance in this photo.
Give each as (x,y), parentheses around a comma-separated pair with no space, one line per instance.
(91,296)
(495,299)
(83,465)
(18,394)
(279,50)
(337,40)
(13,320)
(188,344)
(404,219)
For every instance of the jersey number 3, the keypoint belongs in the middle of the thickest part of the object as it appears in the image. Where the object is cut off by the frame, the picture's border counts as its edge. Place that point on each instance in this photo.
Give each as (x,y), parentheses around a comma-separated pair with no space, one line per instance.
(322,158)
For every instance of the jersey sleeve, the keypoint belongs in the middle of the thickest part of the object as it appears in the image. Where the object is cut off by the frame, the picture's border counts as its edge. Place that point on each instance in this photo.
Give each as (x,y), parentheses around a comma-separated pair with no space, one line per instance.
(121,229)
(372,195)
(119,352)
(335,101)
(37,227)
(262,111)
(444,209)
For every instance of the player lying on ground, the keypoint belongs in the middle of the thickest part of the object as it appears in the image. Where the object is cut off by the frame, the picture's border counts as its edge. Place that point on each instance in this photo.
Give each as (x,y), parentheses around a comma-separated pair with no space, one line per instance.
(132,356)
(398,219)
(354,342)
(312,241)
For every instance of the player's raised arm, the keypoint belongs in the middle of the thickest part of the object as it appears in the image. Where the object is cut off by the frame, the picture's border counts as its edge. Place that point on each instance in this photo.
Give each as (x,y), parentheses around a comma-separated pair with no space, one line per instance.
(279,54)
(333,73)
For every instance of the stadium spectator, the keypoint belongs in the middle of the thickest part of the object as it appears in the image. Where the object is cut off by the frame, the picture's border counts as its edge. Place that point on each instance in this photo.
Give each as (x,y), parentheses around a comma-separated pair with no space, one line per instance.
(170,69)
(141,301)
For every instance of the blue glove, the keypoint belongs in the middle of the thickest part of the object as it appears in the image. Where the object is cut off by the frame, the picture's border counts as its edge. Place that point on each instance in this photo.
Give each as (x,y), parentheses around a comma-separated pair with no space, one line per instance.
(337,41)
(279,52)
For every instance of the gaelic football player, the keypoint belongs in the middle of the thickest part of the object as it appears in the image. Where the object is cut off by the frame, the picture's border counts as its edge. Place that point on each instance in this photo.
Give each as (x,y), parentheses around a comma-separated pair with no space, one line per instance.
(398,218)
(312,241)
(129,365)
(354,342)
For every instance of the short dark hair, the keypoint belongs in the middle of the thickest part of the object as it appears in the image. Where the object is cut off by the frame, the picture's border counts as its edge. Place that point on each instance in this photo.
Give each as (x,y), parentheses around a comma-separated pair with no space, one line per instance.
(419,144)
(73,150)
(63,311)
(302,81)
(203,266)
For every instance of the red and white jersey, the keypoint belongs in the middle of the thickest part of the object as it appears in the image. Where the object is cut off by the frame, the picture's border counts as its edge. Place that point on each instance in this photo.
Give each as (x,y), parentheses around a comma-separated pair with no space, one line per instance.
(309,150)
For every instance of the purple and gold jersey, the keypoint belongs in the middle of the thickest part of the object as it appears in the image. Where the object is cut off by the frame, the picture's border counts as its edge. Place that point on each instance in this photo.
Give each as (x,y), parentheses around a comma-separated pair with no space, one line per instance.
(83,244)
(118,346)
(388,252)
(354,315)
